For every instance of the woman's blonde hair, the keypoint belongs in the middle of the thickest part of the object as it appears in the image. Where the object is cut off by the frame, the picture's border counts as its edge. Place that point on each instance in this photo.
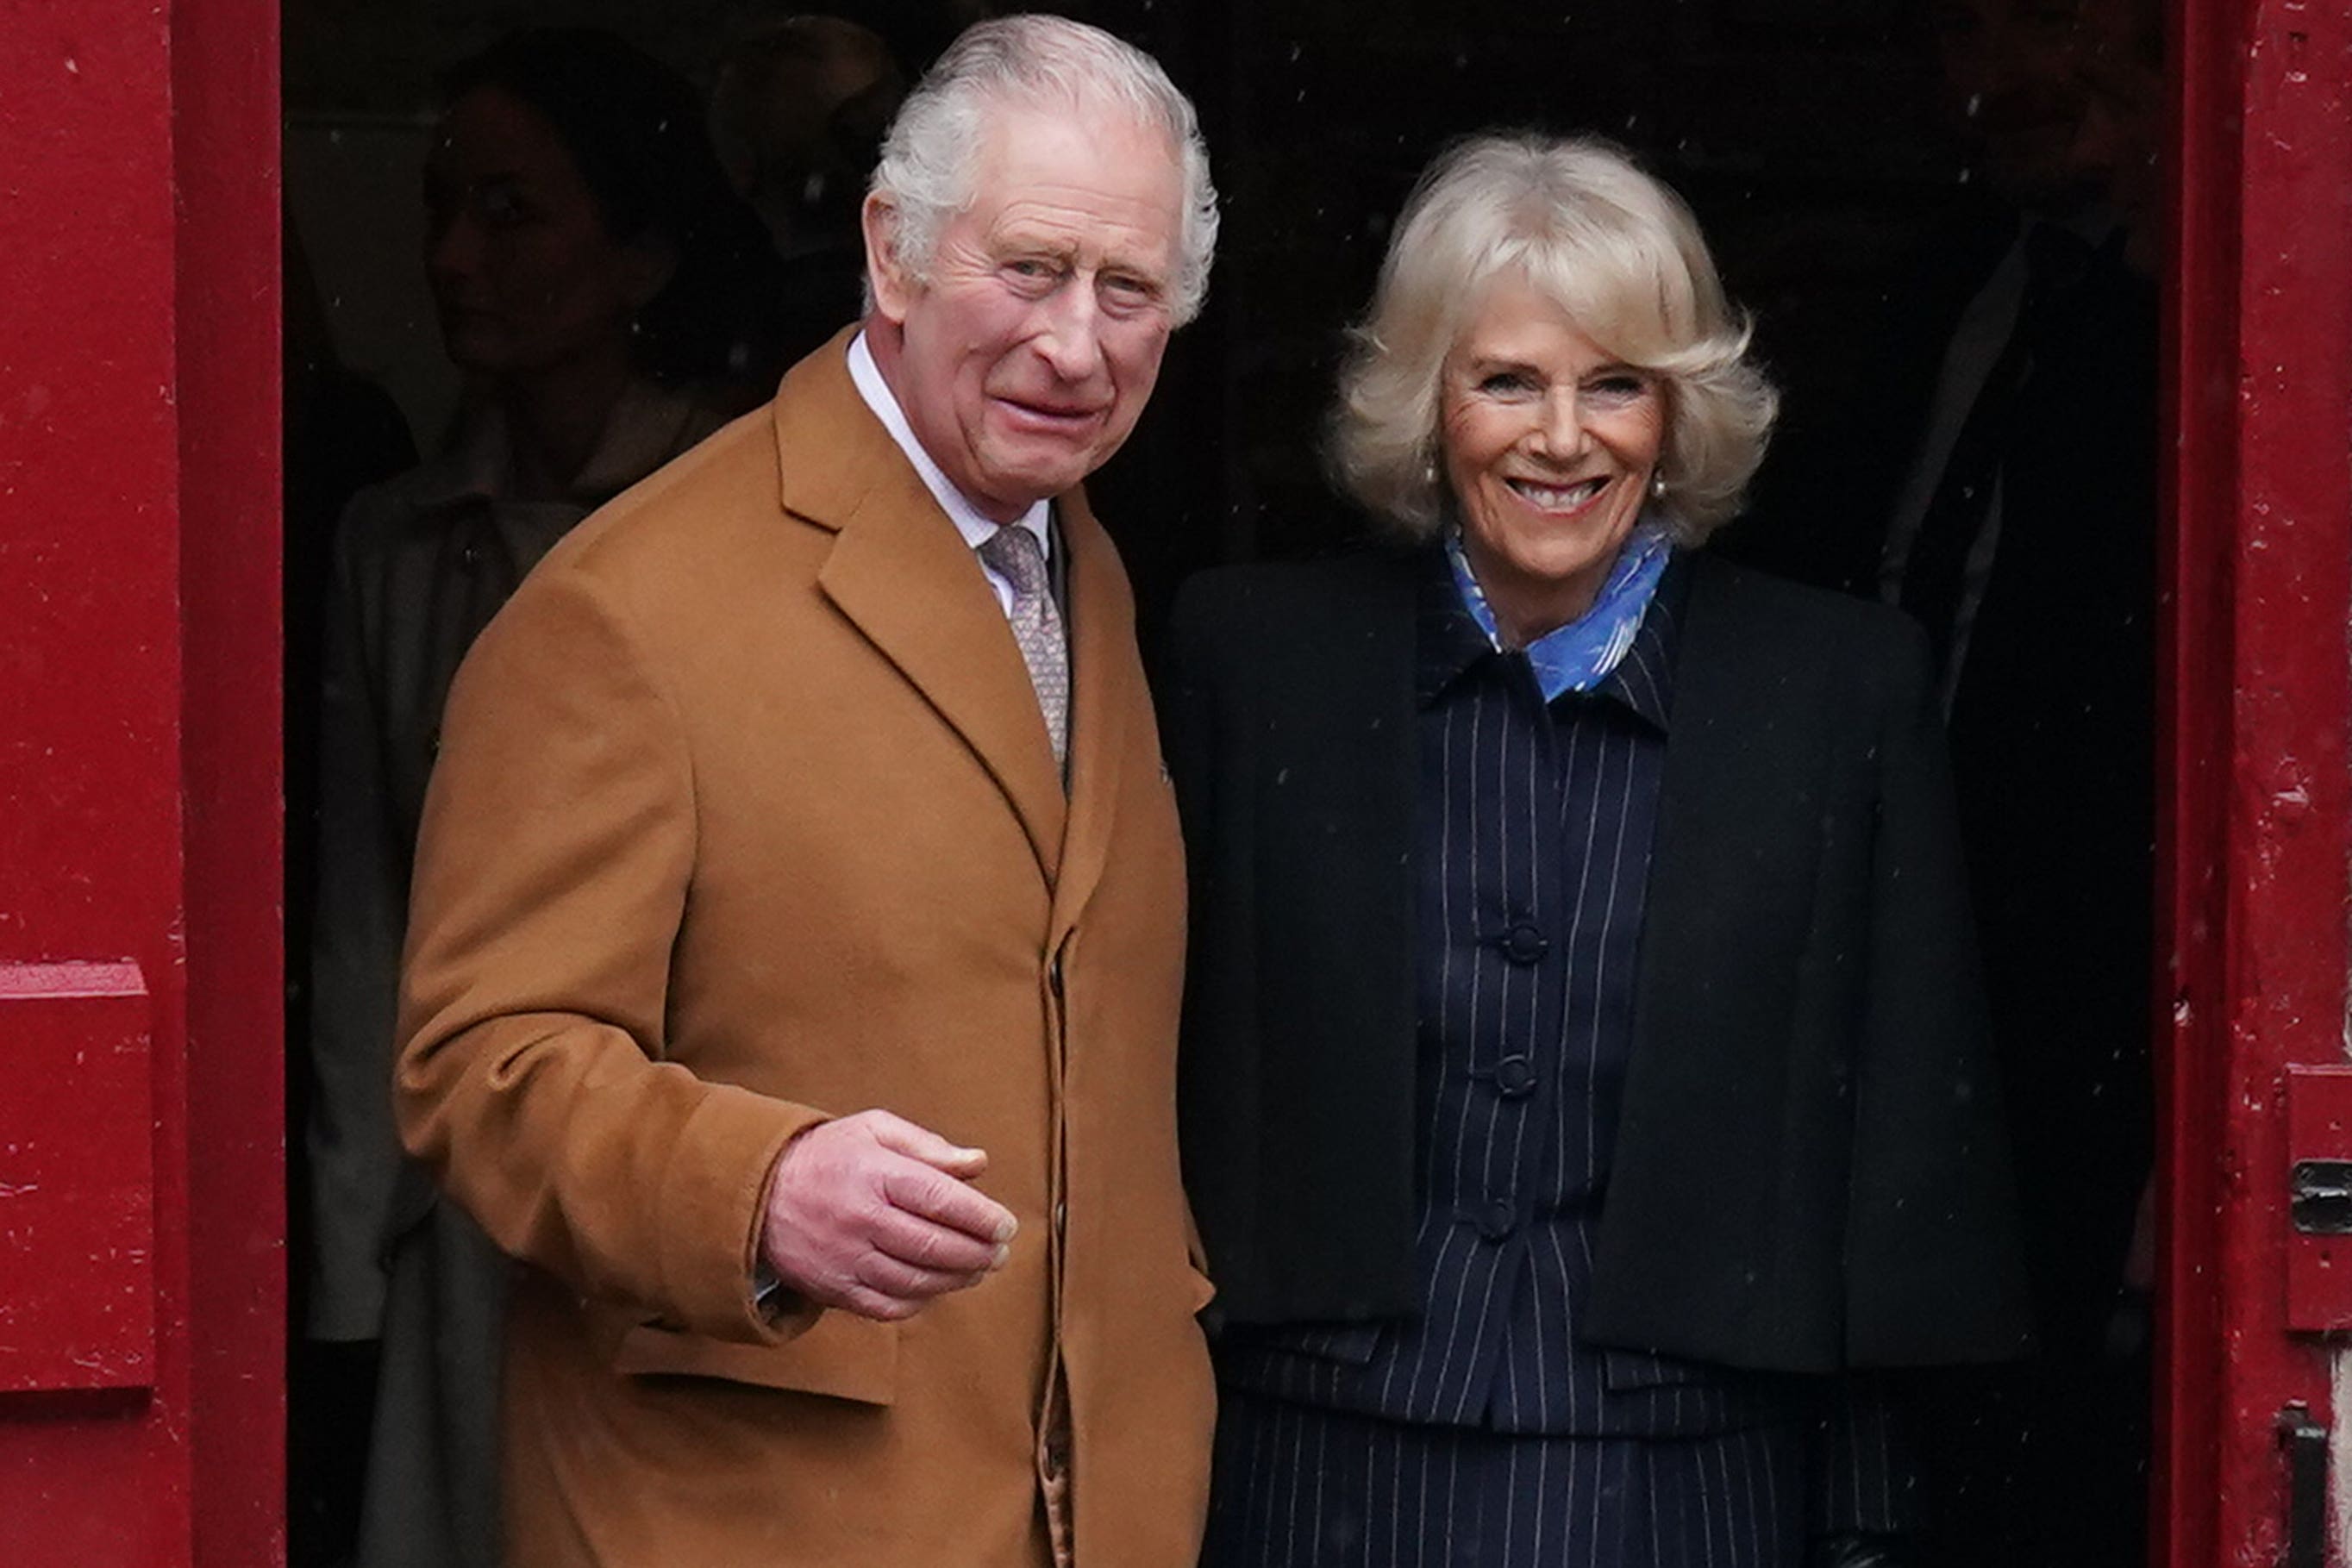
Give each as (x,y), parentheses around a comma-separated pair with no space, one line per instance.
(1618,252)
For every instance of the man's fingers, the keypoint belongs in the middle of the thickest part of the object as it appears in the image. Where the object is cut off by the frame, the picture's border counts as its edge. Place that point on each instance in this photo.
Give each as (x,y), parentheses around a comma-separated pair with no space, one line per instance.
(923,1192)
(916,1143)
(881,1272)
(856,1219)
(868,1302)
(923,1245)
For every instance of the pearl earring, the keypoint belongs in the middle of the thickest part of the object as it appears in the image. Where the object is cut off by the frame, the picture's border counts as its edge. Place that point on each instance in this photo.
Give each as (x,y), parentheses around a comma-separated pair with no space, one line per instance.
(1657,487)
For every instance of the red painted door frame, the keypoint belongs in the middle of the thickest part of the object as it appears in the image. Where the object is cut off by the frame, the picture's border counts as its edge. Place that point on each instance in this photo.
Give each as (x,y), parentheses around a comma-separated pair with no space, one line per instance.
(138,746)
(141,1208)
(2259,589)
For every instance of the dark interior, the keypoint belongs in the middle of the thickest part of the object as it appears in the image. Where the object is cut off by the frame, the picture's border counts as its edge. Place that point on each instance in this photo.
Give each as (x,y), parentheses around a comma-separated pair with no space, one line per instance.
(1812,137)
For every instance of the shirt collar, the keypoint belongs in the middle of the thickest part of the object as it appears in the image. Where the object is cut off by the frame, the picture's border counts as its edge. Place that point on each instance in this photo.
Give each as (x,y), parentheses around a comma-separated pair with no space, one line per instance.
(1577,656)
(975,528)
(1452,643)
(1643,679)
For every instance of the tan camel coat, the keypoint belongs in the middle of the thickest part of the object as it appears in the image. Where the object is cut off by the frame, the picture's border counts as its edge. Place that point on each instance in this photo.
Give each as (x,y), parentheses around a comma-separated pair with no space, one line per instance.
(745,816)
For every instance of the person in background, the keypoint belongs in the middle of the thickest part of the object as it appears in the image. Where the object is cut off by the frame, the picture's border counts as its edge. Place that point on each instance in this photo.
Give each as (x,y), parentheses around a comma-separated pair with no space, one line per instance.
(342,434)
(797,116)
(581,247)
(798,930)
(1999,481)
(1586,1091)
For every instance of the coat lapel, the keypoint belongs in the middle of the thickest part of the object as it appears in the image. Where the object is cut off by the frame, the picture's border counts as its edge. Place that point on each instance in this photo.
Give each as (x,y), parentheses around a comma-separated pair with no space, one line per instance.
(1733,878)
(905,577)
(1104,693)
(1738,810)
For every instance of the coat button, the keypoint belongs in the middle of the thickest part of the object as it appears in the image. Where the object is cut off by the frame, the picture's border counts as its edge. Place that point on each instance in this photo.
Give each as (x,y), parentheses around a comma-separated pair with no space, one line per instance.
(1524,944)
(1514,1076)
(1497,1220)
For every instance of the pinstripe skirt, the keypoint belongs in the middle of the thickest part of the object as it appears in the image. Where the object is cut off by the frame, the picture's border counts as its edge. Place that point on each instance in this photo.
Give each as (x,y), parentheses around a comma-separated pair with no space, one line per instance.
(1298,1487)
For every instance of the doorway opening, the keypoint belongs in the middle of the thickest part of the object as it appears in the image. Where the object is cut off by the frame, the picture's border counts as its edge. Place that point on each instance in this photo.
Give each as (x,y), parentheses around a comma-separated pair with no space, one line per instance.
(1896,192)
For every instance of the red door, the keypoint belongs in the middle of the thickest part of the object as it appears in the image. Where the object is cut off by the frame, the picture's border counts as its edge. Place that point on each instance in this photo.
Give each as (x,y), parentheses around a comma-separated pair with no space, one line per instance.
(140,1212)
(141,1207)
(2260,586)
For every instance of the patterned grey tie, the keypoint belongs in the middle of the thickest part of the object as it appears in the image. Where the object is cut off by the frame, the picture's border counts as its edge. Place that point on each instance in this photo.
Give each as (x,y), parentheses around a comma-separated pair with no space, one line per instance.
(1013,553)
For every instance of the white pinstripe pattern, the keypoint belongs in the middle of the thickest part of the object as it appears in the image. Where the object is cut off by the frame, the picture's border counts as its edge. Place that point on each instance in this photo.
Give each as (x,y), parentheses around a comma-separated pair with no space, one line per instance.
(1537,815)
(1391,1495)
(1540,817)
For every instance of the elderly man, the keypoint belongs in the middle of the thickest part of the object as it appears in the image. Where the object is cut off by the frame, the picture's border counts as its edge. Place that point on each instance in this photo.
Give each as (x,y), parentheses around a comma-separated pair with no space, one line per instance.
(795,949)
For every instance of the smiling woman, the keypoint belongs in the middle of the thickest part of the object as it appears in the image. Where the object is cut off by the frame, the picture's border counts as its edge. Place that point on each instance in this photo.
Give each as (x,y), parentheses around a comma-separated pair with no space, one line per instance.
(1638,869)
(1551,449)
(1532,237)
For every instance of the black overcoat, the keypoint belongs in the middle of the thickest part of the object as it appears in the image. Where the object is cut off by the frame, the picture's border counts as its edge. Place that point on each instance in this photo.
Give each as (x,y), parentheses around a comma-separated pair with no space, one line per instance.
(1809,1174)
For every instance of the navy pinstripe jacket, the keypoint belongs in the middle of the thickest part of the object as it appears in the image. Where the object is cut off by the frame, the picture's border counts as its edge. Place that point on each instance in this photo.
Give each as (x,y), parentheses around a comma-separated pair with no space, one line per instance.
(1806,1173)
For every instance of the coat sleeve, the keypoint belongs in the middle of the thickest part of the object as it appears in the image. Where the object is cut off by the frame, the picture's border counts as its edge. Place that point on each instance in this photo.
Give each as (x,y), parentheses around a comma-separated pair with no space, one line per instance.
(354,957)
(552,876)
(1933,1271)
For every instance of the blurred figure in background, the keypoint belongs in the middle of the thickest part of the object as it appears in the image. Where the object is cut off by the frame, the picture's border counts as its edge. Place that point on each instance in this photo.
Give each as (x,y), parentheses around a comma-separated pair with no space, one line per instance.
(587,261)
(797,117)
(342,432)
(2001,487)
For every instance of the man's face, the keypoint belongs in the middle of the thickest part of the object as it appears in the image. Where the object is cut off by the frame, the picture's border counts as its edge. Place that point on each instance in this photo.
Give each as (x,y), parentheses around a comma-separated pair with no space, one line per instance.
(1024,358)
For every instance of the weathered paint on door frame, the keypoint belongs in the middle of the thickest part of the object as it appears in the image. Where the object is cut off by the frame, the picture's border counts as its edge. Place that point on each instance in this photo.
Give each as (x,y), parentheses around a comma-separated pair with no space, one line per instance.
(141,1409)
(2258,591)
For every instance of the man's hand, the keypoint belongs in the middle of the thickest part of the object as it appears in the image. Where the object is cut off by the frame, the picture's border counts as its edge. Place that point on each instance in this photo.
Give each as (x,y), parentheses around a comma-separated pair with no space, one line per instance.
(874,1214)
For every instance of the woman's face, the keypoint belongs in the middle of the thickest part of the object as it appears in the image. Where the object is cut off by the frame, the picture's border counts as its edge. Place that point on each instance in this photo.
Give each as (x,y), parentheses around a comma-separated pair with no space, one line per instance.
(524,275)
(1549,444)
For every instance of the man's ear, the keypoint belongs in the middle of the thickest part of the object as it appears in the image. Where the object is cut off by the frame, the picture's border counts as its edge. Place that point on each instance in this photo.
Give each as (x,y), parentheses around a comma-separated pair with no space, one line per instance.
(887,276)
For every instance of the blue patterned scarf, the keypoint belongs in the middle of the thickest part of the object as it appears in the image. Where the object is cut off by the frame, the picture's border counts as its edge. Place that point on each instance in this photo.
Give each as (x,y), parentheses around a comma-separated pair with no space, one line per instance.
(1578,656)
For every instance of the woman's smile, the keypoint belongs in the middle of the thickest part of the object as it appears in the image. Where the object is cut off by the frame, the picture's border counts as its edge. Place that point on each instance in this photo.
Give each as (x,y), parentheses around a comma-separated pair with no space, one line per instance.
(1549,443)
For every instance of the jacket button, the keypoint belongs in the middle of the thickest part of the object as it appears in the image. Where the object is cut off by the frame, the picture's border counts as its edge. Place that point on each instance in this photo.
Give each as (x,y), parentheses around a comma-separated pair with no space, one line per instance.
(1497,1220)
(1524,944)
(1514,1076)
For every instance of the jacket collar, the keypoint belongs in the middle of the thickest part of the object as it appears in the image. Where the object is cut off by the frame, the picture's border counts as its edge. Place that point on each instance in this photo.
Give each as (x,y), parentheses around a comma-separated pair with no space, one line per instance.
(902,574)
(1449,643)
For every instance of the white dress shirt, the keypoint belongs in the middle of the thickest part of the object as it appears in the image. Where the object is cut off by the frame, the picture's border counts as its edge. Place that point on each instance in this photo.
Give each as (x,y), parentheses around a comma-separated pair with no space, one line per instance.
(974,528)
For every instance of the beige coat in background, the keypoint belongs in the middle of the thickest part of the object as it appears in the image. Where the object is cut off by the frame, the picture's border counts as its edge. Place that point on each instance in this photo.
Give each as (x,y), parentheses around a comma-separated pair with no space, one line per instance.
(745,816)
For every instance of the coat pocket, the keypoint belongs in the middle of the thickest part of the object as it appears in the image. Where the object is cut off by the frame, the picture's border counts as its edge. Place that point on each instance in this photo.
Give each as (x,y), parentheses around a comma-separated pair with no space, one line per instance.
(840,1355)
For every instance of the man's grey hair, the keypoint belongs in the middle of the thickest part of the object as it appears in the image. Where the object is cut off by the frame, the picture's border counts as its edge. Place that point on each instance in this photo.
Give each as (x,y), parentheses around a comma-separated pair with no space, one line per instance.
(929,160)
